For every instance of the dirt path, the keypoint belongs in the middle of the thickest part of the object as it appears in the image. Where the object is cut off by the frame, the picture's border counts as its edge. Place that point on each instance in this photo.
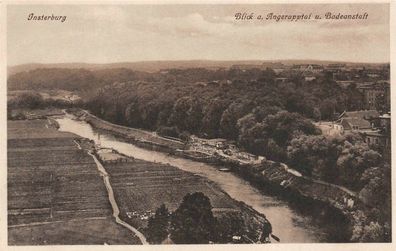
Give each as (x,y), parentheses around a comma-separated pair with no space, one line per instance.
(346,190)
(116,210)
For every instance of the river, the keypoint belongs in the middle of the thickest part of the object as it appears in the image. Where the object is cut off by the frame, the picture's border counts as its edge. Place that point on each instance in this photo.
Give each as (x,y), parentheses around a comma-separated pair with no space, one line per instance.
(288,224)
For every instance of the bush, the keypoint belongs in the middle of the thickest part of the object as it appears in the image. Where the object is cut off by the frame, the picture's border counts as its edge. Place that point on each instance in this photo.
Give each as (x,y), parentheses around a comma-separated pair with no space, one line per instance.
(158,225)
(193,222)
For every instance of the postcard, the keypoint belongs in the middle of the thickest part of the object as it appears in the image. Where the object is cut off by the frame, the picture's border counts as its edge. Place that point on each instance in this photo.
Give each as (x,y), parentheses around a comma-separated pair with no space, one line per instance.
(254,124)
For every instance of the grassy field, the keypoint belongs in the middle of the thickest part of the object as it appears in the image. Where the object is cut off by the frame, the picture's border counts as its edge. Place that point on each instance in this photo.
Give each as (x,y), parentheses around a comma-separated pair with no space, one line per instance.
(55,193)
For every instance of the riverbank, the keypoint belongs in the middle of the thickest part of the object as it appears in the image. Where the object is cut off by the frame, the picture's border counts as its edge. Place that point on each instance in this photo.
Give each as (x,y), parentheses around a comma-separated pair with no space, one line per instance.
(140,187)
(322,199)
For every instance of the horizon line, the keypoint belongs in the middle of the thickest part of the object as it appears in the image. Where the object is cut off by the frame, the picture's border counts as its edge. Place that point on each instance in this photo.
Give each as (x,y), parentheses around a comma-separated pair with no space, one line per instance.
(209,60)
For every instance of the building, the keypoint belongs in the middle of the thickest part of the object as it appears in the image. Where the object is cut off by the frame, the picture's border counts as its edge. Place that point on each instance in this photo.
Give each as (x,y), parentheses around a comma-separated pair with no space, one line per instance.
(374,129)
(364,114)
(385,123)
(309,76)
(369,115)
(335,67)
(314,68)
(330,128)
(244,67)
(355,124)
(359,120)
(278,70)
(382,136)
(376,95)
(379,139)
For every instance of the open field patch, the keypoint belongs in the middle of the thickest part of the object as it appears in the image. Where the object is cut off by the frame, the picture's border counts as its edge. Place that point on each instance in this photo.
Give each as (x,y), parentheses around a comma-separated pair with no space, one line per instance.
(95,231)
(55,192)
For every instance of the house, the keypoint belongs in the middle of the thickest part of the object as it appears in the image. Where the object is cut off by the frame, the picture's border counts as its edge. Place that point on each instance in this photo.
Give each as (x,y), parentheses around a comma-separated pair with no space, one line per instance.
(330,128)
(374,129)
(375,138)
(309,76)
(359,120)
(338,128)
(355,124)
(364,114)
(379,141)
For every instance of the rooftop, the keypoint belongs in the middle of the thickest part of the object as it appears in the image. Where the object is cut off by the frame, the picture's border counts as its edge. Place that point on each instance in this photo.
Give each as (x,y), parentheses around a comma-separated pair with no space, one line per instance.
(364,114)
(361,123)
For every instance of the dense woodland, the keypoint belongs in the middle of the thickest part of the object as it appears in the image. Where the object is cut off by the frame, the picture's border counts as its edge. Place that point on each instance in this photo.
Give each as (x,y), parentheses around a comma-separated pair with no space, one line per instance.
(250,107)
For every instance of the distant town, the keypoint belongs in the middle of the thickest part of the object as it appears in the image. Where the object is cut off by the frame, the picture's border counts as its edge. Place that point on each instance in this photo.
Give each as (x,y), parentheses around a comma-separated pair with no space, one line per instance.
(311,138)
(372,120)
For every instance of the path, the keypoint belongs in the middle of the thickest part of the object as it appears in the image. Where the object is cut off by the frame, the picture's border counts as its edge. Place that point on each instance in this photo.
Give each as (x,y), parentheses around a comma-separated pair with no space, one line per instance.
(351,193)
(116,210)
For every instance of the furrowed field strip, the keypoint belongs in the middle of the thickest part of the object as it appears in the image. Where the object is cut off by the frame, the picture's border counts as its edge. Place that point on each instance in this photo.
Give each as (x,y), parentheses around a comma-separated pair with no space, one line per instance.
(53,186)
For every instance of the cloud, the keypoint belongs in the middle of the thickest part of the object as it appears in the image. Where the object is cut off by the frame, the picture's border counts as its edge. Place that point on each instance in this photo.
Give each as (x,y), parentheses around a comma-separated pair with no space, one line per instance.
(135,33)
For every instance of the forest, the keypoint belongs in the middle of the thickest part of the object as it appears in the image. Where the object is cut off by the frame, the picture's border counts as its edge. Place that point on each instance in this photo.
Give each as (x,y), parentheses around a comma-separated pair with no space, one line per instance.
(262,116)
(250,107)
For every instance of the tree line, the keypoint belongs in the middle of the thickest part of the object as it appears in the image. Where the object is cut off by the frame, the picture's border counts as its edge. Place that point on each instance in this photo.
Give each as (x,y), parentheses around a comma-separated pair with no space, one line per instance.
(249,107)
(193,222)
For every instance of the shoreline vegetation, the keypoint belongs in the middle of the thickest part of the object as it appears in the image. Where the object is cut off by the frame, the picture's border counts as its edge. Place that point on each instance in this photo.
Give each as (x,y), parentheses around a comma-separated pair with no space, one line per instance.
(135,189)
(248,119)
(224,207)
(268,175)
(348,213)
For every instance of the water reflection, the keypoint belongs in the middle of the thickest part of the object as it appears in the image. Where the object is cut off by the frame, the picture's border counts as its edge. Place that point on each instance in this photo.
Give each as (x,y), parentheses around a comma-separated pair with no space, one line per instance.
(289,225)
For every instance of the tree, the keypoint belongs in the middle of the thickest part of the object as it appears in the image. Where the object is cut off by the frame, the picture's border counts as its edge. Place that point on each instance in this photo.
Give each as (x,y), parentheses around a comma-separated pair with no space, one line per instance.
(354,160)
(32,100)
(132,114)
(229,225)
(254,139)
(377,187)
(377,192)
(327,109)
(315,155)
(158,225)
(300,102)
(187,114)
(245,123)
(212,117)
(283,125)
(229,119)
(261,112)
(193,222)
(373,233)
(274,152)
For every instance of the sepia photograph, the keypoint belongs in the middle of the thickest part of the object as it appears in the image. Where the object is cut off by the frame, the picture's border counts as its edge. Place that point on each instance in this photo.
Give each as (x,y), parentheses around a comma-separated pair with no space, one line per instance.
(200,123)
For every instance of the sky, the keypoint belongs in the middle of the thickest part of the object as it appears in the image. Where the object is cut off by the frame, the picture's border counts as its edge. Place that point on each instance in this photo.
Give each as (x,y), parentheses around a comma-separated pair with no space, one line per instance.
(128,33)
